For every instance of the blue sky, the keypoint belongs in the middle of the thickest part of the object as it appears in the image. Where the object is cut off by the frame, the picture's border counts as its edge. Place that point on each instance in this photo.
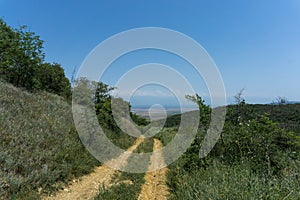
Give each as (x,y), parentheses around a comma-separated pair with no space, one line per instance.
(254,43)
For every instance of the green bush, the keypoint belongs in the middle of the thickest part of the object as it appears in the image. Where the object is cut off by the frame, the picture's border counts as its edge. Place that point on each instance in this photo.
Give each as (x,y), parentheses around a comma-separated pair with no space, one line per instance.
(269,147)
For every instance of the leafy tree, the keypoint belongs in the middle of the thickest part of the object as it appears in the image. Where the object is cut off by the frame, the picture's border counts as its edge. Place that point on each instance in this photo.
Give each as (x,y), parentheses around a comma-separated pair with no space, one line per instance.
(9,47)
(51,78)
(22,62)
(98,95)
(102,95)
(21,53)
(205,110)
(191,156)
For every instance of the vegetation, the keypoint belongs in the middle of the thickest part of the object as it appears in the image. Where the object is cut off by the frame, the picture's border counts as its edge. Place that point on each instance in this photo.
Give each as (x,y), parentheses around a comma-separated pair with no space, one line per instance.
(40,149)
(257,156)
(22,62)
(254,159)
(286,115)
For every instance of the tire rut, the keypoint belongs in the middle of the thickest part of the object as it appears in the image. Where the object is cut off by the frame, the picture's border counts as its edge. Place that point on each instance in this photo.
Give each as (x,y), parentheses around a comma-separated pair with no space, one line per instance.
(87,186)
(155,186)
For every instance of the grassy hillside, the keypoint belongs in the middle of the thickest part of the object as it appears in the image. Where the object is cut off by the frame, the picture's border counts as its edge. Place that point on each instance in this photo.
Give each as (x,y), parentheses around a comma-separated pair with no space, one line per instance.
(39,147)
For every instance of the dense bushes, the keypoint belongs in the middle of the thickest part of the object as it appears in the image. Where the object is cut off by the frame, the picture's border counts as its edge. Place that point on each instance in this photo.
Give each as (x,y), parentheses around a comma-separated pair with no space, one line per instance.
(262,142)
(255,158)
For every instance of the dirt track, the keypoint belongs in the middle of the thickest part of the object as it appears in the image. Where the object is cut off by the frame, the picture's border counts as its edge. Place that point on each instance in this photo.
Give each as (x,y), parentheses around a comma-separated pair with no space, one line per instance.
(88,186)
(155,186)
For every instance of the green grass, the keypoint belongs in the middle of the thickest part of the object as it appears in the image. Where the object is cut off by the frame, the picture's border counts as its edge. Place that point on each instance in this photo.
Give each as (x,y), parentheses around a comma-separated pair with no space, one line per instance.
(220,181)
(166,135)
(120,139)
(213,178)
(39,149)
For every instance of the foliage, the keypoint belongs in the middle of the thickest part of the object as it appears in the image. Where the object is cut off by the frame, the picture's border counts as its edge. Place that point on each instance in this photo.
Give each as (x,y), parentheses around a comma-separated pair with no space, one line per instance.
(205,110)
(22,62)
(255,158)
(98,95)
(51,78)
(21,54)
(262,142)
(138,120)
(286,115)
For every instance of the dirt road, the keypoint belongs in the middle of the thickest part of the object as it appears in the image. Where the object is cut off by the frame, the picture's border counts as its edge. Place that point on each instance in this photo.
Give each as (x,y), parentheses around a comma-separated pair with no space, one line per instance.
(88,186)
(155,186)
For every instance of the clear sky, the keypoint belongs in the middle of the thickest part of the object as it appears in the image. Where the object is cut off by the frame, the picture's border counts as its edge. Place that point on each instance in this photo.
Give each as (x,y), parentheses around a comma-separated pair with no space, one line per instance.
(254,43)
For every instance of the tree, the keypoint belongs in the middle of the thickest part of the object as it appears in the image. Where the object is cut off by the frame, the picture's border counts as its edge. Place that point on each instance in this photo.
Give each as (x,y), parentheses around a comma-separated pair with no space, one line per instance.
(51,78)
(239,99)
(205,110)
(240,112)
(21,53)
(281,100)
(22,62)
(102,95)
(9,47)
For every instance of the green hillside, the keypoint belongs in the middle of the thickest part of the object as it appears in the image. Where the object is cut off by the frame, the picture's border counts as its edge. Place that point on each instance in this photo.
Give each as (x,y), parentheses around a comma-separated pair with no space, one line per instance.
(39,147)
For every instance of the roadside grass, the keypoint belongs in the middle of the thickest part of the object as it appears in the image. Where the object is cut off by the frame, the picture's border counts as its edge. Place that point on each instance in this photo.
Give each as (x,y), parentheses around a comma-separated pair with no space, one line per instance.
(119,138)
(127,185)
(166,135)
(215,178)
(221,181)
(40,149)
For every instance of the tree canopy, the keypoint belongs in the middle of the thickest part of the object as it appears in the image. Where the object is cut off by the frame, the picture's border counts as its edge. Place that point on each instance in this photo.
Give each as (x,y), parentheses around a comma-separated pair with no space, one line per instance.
(22,62)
